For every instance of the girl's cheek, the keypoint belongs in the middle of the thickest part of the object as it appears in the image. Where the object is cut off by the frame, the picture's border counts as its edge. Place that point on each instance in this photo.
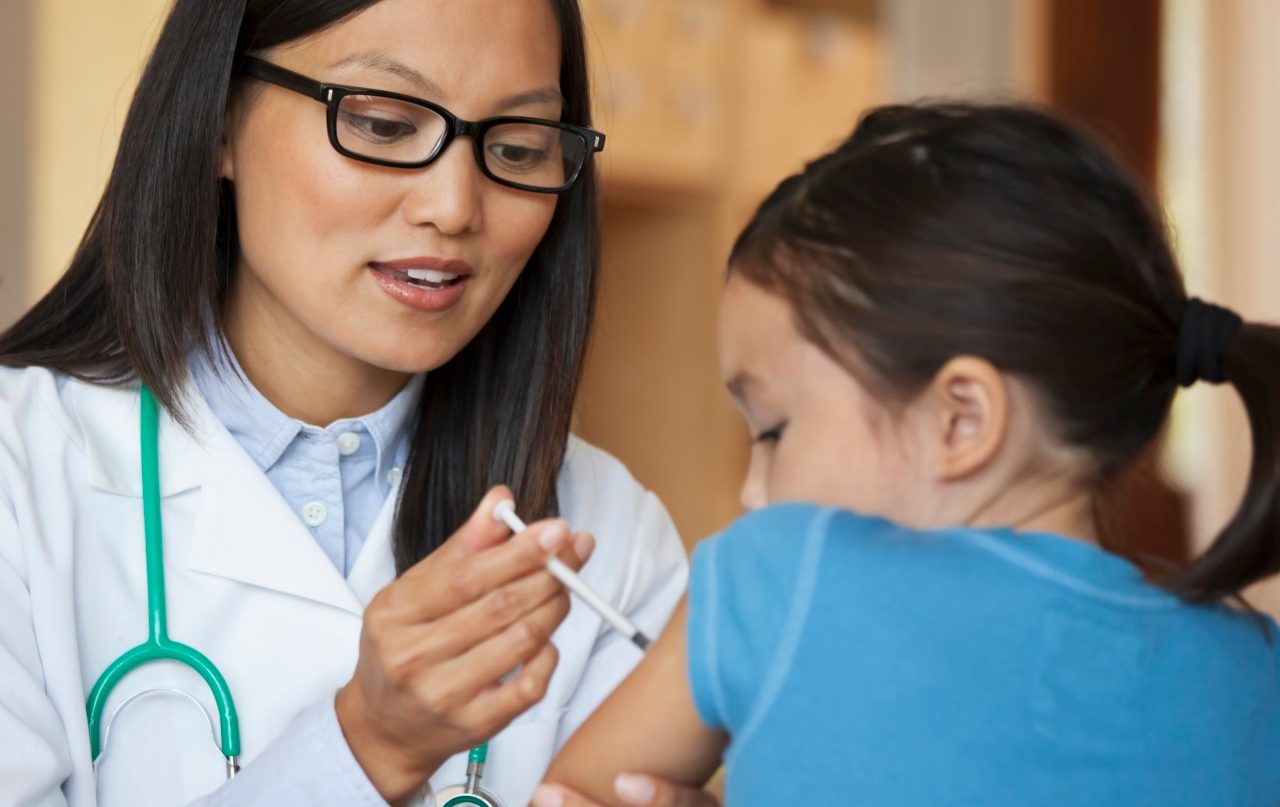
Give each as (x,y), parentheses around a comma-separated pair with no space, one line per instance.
(755,488)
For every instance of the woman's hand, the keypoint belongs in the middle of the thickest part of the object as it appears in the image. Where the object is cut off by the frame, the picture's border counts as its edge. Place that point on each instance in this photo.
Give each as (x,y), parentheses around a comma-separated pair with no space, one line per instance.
(632,790)
(437,643)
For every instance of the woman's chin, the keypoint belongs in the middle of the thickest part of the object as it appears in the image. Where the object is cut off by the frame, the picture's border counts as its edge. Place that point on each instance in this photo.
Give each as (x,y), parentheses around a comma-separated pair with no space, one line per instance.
(411,359)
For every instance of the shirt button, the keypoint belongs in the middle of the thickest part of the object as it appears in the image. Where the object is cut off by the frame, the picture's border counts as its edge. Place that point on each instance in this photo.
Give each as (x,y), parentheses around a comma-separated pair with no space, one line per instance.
(348,443)
(393,477)
(314,514)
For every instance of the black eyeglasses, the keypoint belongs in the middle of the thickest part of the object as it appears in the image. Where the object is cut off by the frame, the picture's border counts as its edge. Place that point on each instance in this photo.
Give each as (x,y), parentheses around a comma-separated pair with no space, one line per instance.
(400,131)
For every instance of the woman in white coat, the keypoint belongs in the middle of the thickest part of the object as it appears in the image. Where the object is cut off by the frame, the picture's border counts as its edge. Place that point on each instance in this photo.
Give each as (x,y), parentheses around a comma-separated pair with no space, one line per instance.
(359,313)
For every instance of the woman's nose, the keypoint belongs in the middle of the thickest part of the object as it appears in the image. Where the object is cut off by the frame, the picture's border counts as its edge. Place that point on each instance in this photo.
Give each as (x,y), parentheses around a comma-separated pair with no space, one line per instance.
(446,194)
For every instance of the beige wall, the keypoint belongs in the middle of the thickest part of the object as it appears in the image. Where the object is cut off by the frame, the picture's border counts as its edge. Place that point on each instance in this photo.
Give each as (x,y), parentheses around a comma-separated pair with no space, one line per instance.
(84,60)
(982,48)
(15,66)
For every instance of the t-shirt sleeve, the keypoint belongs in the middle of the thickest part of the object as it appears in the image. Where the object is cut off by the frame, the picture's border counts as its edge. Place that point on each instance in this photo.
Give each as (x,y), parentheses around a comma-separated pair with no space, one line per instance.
(749,591)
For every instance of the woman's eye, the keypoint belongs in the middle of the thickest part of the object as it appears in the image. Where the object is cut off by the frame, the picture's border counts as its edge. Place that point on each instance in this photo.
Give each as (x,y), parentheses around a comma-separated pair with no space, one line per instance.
(381,130)
(518,157)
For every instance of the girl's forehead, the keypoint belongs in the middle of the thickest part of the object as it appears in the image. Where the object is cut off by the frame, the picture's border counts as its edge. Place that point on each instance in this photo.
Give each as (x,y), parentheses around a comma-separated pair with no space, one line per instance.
(757,331)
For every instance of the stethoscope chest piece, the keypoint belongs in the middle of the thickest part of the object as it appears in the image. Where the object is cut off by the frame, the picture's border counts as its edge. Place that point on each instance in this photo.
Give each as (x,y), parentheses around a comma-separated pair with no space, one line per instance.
(470,794)
(457,796)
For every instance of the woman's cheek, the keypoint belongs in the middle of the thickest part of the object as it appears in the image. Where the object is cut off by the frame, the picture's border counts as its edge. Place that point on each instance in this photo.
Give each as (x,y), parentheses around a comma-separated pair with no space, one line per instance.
(531,216)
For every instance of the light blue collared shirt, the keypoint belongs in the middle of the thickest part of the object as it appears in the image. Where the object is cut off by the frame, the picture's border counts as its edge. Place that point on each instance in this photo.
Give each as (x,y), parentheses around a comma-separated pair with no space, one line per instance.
(336,477)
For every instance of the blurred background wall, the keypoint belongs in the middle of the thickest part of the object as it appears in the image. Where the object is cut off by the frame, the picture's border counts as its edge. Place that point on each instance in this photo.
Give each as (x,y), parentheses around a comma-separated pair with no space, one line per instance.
(707,104)
(15,152)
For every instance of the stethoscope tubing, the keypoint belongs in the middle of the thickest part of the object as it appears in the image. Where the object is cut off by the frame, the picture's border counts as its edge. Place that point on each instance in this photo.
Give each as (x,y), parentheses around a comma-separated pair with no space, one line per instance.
(158,645)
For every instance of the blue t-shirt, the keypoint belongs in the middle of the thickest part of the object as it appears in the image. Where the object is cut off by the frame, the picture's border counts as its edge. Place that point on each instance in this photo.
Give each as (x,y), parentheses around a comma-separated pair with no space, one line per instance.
(857,662)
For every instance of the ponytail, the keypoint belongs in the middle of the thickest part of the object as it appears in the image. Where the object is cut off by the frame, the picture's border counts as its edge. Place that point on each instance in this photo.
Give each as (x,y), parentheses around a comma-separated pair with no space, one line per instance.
(1248,548)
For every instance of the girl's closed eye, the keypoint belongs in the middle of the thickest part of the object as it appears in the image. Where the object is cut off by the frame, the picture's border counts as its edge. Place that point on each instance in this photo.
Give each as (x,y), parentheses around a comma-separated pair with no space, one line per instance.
(772,435)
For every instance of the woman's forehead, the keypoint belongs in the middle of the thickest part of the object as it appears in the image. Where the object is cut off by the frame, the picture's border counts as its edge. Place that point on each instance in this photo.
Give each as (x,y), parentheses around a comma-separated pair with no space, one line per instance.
(449,51)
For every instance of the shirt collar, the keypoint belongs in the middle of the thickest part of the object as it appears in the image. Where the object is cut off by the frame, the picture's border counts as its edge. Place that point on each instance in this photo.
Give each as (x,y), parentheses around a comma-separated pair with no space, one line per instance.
(388,426)
(265,432)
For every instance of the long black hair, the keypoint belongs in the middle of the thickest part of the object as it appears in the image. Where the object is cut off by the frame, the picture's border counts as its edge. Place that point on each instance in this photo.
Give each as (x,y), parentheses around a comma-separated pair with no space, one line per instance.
(1004,232)
(156,260)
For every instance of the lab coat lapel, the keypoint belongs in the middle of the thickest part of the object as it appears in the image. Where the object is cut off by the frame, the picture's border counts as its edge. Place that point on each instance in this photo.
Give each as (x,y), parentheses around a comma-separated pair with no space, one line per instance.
(375,566)
(246,532)
(108,418)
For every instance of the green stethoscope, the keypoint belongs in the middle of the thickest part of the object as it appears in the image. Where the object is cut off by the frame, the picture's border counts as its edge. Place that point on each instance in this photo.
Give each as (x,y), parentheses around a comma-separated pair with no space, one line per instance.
(159,647)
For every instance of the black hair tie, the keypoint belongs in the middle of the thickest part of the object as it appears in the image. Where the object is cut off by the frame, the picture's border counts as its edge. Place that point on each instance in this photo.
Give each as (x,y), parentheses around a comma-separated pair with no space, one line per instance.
(1203,336)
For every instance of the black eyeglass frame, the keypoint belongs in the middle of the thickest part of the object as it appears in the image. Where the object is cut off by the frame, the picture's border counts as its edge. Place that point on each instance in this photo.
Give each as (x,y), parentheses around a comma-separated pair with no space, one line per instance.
(331,96)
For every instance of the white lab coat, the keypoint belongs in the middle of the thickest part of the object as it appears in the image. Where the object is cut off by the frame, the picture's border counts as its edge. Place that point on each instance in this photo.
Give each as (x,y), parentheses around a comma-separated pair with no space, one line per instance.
(249,587)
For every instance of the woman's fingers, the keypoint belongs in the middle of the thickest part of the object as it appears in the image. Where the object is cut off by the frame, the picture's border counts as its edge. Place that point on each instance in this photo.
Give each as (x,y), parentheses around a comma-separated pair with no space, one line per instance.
(438,642)
(454,683)
(634,790)
(454,634)
(481,530)
(472,564)
(498,705)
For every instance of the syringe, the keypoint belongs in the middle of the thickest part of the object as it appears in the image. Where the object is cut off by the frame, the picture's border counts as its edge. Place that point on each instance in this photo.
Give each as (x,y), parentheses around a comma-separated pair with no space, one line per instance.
(505,511)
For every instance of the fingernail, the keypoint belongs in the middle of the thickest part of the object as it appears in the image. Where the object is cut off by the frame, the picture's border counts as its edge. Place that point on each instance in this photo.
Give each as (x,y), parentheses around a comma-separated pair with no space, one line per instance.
(546,796)
(583,545)
(553,537)
(633,789)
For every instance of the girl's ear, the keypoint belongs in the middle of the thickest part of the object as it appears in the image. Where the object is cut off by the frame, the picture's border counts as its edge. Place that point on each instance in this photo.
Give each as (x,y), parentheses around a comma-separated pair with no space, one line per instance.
(968,403)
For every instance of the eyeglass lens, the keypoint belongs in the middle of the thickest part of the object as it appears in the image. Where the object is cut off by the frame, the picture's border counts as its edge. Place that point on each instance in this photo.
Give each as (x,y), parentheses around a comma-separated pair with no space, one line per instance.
(388,129)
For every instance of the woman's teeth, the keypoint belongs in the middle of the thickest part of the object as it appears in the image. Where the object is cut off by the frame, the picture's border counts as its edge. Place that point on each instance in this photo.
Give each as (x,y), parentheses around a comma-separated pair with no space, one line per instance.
(431,276)
(426,278)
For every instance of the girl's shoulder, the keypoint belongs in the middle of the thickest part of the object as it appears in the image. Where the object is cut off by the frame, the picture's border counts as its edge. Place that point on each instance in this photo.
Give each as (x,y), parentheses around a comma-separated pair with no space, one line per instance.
(777,546)
(872,555)
(774,538)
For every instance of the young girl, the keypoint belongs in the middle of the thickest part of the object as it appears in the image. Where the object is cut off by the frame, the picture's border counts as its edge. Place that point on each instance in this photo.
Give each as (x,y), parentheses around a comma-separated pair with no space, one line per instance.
(951,335)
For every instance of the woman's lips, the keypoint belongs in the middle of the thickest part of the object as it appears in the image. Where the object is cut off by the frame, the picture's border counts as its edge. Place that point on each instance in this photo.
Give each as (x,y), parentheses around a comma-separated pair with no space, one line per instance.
(427,284)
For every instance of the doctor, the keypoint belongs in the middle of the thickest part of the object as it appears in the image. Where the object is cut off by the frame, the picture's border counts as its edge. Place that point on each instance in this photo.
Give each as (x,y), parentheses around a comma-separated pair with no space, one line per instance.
(358,312)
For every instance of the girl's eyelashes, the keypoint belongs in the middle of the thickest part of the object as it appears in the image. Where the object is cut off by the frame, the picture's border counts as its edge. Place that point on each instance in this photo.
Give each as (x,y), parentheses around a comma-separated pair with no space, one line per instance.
(771,435)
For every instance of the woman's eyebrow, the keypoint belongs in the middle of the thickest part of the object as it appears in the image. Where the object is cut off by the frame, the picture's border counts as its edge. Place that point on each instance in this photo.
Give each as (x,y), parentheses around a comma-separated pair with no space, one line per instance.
(386,64)
(546,95)
(429,89)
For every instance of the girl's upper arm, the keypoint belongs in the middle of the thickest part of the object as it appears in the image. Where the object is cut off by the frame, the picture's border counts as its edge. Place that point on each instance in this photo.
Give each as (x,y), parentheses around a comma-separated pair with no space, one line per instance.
(649,724)
(655,571)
